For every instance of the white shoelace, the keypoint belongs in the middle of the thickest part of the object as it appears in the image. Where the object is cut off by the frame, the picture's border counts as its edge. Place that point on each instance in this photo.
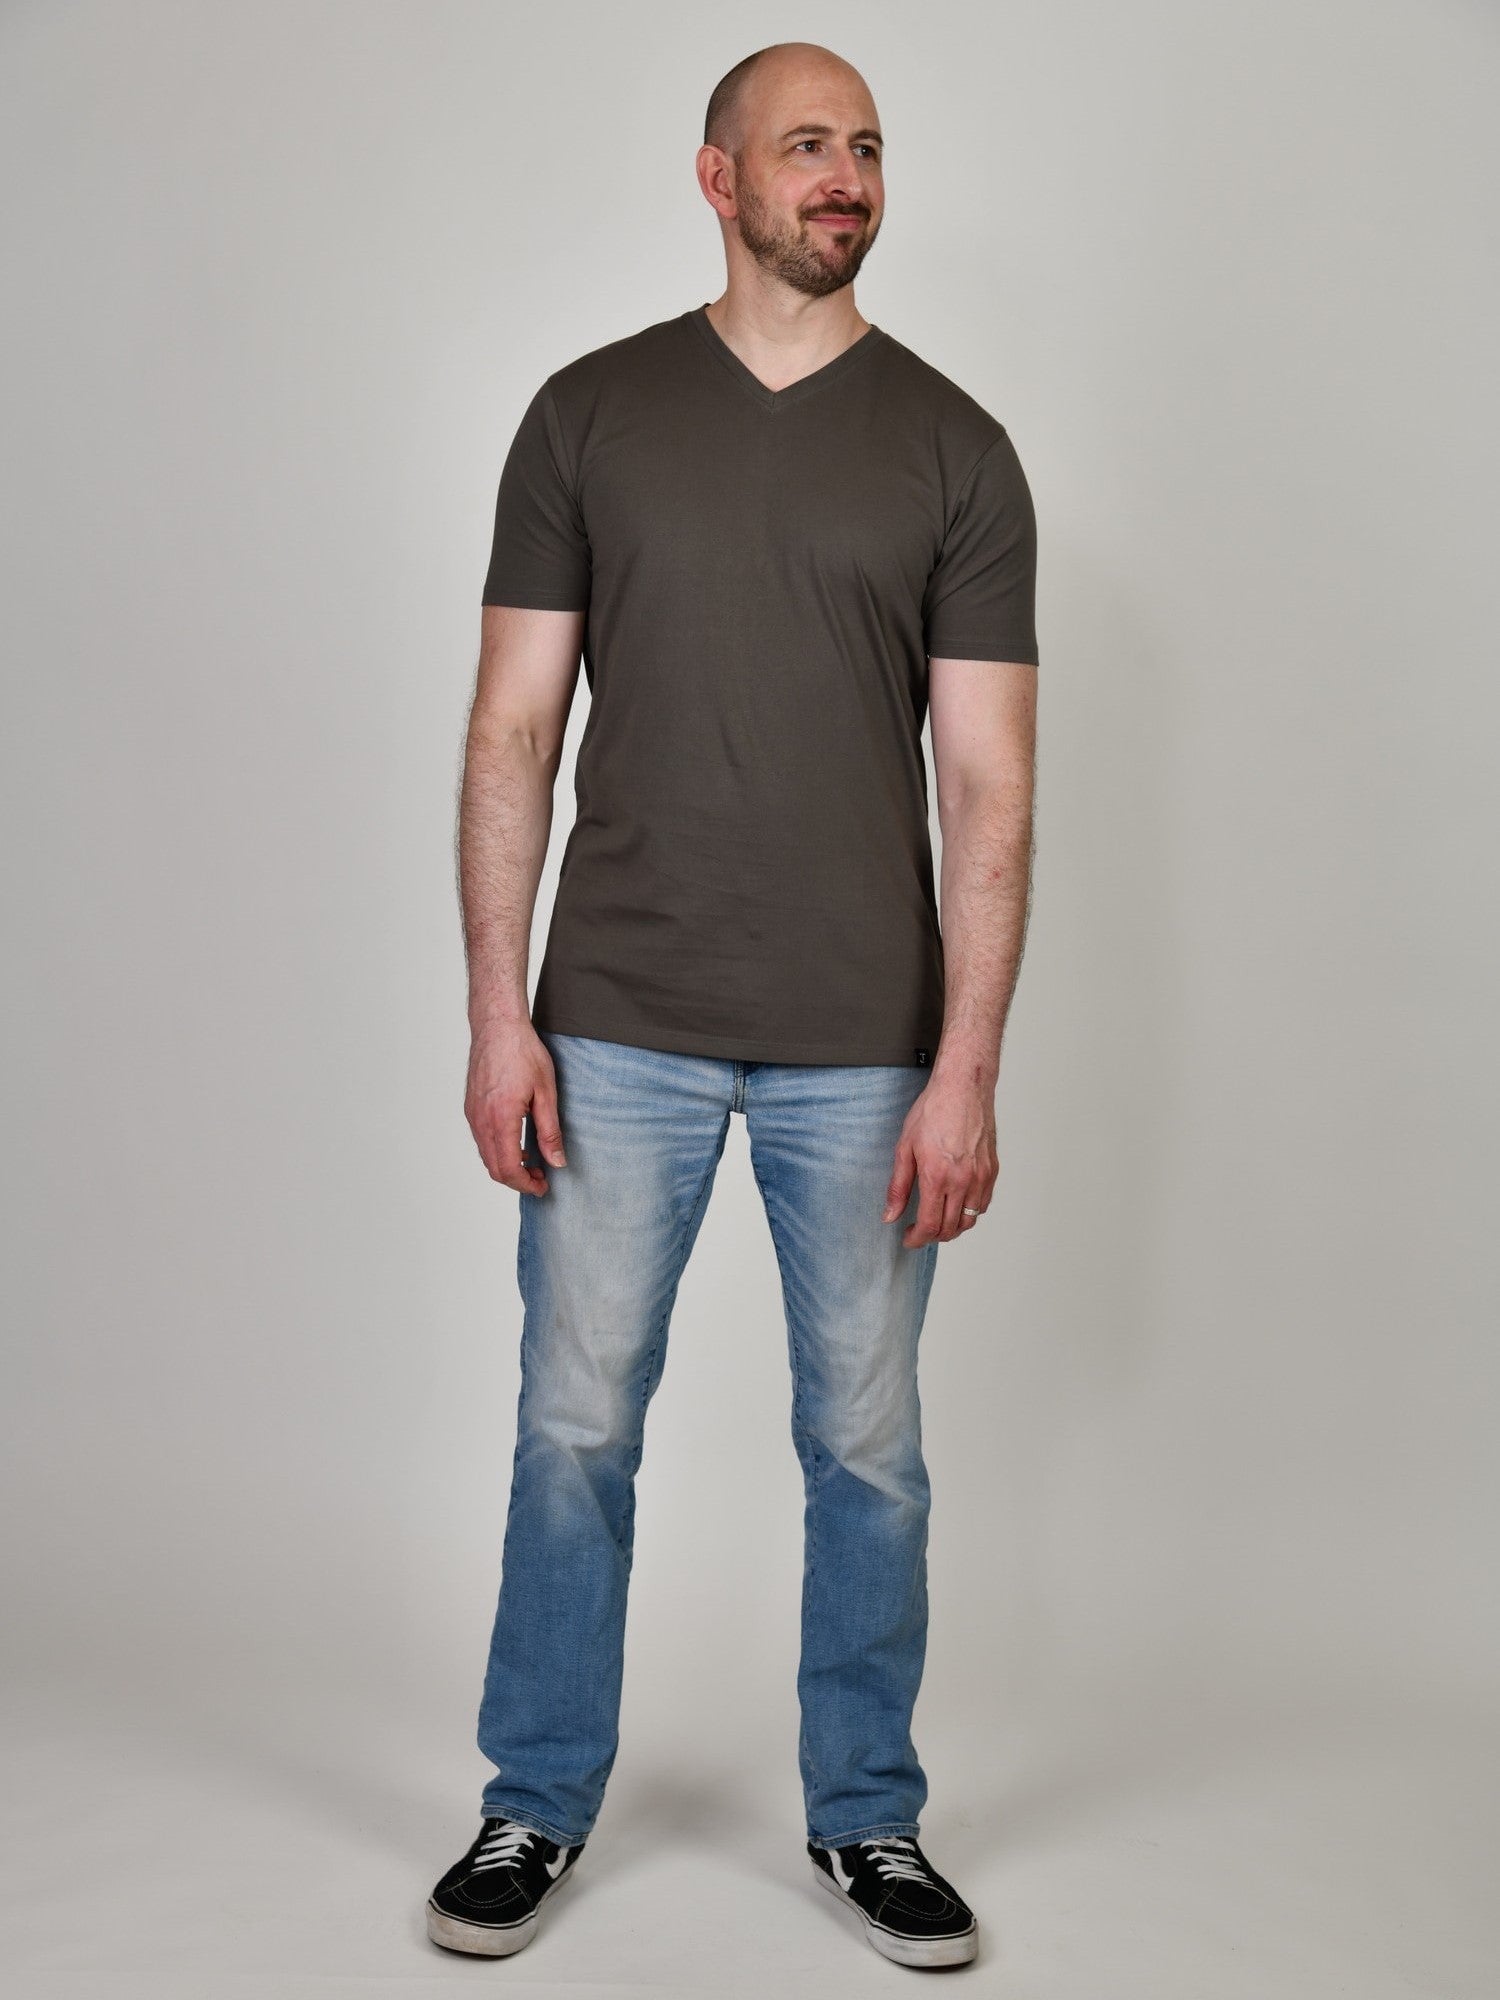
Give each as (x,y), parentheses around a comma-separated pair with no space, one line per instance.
(504,1847)
(902,1862)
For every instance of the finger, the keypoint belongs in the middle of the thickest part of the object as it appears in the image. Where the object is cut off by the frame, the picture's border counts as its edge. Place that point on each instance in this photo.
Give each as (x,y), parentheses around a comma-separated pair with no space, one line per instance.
(506,1128)
(535,1178)
(976,1198)
(954,1218)
(981,1191)
(930,1204)
(949,1199)
(482,1127)
(898,1190)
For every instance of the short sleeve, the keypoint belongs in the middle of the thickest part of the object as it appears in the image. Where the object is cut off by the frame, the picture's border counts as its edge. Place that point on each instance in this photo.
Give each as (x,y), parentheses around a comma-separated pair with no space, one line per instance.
(540,557)
(980,601)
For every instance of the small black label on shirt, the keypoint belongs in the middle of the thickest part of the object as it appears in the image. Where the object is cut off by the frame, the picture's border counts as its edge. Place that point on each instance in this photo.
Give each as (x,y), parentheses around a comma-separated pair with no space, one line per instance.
(921,1058)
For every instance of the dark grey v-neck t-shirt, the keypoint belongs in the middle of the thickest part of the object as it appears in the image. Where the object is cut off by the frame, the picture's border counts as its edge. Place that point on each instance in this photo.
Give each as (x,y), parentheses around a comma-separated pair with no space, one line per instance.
(766,574)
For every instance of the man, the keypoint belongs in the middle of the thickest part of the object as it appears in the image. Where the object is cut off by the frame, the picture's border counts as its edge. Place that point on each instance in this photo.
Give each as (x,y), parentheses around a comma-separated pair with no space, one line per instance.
(777,538)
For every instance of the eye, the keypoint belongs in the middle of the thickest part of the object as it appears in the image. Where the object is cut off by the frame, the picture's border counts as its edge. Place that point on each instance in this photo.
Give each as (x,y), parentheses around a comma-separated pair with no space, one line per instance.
(864,146)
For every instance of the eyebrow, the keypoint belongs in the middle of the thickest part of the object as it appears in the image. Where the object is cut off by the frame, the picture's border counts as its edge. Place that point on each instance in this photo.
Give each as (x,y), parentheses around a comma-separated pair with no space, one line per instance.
(826,131)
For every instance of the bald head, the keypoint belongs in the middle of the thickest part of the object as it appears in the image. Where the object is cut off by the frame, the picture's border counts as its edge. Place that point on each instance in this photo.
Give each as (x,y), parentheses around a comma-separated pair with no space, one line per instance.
(739,93)
(792,166)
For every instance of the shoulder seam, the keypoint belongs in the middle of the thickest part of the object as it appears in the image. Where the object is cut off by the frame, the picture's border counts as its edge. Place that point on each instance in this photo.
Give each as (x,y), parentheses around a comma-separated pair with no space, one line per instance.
(572,470)
(967,480)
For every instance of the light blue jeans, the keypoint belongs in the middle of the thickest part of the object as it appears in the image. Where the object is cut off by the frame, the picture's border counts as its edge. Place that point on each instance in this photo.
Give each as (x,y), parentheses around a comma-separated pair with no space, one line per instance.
(598,1262)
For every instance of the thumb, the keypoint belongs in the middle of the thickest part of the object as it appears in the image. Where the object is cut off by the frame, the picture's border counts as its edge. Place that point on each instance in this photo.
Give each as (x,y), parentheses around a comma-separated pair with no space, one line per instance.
(548,1128)
(898,1193)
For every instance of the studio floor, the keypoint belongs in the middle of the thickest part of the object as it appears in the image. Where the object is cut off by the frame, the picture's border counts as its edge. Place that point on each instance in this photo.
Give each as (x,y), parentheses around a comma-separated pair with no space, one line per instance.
(172,1847)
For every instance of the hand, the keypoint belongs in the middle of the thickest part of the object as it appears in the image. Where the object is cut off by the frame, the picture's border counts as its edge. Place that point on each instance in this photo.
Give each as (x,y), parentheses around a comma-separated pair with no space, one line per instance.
(948,1146)
(511,1073)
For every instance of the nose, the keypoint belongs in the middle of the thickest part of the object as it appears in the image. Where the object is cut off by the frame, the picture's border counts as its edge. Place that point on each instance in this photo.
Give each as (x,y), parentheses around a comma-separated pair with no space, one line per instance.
(845,180)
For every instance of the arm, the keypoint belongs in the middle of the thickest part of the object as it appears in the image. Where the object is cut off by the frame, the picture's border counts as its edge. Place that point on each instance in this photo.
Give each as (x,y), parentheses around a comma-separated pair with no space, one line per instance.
(984,751)
(528,669)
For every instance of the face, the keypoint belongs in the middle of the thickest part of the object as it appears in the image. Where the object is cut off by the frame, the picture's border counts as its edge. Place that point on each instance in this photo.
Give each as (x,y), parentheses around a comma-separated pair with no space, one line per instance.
(808,189)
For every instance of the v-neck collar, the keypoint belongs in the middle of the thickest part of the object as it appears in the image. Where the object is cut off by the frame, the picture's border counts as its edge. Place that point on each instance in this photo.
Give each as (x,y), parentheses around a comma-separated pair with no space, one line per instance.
(805,385)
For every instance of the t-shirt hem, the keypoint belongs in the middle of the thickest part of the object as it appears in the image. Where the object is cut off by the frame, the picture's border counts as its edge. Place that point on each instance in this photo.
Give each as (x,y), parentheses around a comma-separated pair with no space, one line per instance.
(981,649)
(527,599)
(745,1048)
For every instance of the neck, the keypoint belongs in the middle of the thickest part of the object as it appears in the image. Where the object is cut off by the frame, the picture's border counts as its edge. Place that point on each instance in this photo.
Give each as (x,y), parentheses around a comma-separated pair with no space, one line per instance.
(781,333)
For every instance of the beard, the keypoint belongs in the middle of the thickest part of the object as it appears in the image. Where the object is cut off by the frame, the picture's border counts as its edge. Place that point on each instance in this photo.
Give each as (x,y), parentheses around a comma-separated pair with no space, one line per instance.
(788,252)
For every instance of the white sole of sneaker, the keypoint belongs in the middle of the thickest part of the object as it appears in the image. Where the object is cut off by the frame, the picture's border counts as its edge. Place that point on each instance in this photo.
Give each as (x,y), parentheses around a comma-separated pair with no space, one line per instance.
(489,1940)
(905,1951)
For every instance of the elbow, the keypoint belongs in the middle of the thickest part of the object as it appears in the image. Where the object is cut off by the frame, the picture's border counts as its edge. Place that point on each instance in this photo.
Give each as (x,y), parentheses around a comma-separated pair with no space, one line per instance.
(516,738)
(989,799)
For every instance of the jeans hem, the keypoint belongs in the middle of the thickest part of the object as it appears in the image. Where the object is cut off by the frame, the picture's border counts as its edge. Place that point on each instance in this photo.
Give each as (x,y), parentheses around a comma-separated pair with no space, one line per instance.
(488,1810)
(888,1830)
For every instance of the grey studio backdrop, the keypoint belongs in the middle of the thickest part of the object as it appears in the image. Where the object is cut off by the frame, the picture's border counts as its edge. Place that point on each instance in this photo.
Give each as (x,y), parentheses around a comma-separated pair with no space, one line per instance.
(1208,1398)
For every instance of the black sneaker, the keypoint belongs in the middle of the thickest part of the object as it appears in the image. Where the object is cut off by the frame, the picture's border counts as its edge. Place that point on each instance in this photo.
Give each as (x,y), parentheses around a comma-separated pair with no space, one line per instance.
(909,1912)
(491,1901)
